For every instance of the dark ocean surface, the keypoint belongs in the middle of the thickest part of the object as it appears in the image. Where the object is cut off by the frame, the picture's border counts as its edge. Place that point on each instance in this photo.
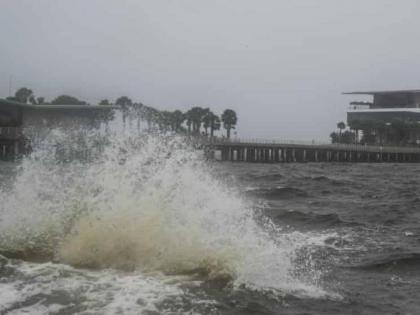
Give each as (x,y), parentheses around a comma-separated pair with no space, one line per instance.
(368,217)
(373,262)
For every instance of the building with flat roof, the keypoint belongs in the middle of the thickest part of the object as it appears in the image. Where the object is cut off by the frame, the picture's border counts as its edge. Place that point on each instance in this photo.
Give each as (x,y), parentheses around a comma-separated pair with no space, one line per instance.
(390,118)
(20,122)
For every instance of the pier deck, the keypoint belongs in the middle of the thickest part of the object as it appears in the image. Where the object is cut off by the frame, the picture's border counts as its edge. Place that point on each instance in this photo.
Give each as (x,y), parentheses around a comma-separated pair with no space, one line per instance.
(261,151)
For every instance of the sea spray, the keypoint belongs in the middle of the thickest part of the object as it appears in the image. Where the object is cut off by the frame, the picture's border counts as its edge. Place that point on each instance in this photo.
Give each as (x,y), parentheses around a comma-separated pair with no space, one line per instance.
(145,204)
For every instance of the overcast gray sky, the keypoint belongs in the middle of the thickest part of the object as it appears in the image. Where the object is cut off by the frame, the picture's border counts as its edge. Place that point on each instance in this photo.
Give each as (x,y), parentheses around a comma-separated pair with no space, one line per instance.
(282,65)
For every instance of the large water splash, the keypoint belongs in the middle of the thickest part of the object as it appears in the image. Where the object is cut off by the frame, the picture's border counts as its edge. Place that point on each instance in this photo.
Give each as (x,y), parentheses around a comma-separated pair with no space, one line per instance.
(146,204)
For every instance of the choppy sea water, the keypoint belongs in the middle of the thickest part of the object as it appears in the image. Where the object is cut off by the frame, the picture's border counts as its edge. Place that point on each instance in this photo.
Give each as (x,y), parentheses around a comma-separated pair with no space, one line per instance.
(149,227)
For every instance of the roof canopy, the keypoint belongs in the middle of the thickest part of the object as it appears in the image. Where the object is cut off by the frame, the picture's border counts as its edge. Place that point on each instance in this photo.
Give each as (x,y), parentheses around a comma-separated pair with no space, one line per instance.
(4,102)
(383,92)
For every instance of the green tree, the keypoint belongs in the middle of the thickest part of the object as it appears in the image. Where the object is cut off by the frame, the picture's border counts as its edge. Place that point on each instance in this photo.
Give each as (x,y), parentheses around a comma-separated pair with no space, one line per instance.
(137,110)
(151,115)
(206,119)
(215,124)
(156,117)
(341,126)
(212,121)
(147,115)
(334,137)
(165,120)
(23,95)
(104,102)
(177,119)
(196,115)
(188,120)
(36,101)
(125,104)
(40,100)
(67,100)
(230,120)
(348,137)
(32,100)
(108,114)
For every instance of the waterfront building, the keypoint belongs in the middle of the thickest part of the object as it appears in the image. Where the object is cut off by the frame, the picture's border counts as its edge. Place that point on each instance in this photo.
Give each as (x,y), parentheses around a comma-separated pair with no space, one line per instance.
(20,122)
(390,118)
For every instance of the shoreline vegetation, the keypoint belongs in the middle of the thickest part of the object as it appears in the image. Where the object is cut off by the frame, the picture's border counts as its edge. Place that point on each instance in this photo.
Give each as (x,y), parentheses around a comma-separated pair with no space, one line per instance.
(197,121)
(346,136)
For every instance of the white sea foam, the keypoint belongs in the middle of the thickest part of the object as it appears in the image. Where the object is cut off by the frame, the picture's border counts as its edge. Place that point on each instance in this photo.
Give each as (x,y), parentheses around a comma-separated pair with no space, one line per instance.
(99,292)
(147,204)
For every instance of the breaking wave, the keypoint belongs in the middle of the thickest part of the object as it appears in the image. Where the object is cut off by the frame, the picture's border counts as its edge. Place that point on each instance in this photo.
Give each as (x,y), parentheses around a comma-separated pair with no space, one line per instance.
(148,204)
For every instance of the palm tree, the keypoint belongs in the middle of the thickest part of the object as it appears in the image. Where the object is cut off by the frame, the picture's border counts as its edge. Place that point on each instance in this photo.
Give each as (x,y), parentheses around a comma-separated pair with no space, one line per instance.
(189,120)
(212,121)
(137,113)
(147,113)
(177,119)
(109,114)
(214,125)
(156,117)
(125,104)
(334,137)
(206,119)
(196,117)
(229,119)
(341,126)
(165,120)
(152,116)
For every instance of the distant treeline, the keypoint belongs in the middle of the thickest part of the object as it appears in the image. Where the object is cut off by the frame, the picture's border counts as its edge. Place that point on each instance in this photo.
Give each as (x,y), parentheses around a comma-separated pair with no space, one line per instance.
(195,121)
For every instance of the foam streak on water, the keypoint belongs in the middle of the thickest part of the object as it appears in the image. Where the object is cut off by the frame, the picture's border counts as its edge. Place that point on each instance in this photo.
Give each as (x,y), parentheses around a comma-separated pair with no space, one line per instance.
(139,212)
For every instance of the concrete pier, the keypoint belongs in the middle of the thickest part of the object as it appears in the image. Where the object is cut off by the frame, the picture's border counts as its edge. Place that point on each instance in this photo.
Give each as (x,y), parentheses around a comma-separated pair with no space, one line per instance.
(276,152)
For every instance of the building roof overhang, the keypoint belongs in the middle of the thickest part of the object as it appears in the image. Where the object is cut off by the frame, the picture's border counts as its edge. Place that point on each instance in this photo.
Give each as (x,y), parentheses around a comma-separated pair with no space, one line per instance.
(386,110)
(383,92)
(4,102)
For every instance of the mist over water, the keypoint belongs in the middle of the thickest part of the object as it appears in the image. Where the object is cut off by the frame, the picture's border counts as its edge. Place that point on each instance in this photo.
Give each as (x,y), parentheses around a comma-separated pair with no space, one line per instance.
(138,220)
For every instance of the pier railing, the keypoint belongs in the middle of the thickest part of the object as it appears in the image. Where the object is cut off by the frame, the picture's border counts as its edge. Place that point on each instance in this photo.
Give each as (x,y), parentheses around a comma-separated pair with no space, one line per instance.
(312,144)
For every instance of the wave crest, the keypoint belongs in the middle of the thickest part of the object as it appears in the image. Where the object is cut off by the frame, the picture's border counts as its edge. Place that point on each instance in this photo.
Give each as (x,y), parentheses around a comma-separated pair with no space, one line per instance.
(151,204)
